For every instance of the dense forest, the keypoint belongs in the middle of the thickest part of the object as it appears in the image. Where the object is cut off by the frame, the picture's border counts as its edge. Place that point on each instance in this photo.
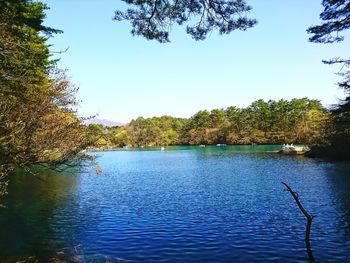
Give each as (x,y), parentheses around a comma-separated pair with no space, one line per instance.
(295,121)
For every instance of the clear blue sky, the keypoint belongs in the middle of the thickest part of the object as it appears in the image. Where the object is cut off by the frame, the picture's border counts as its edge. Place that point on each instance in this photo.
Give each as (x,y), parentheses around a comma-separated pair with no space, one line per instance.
(122,77)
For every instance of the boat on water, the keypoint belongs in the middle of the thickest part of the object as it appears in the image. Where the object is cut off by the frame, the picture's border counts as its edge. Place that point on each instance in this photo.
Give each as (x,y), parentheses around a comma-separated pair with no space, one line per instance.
(294,150)
(221,145)
(202,145)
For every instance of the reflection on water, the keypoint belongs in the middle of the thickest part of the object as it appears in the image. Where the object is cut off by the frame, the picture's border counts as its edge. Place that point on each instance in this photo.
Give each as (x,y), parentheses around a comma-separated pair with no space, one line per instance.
(31,205)
(184,204)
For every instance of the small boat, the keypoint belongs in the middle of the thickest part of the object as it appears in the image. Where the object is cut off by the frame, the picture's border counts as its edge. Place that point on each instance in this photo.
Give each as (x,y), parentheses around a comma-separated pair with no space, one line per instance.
(294,150)
(202,145)
(220,145)
(162,148)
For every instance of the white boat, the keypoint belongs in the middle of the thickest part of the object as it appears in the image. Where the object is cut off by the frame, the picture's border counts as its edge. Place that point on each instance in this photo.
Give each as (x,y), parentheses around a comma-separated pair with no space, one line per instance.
(162,148)
(294,150)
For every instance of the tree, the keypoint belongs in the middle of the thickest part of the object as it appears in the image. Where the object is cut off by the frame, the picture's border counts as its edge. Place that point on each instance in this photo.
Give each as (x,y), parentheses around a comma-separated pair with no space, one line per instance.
(336,19)
(335,15)
(38,124)
(201,120)
(153,19)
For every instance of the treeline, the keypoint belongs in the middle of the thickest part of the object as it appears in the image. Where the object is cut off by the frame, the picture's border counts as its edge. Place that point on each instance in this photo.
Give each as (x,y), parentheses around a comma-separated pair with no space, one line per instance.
(156,131)
(295,121)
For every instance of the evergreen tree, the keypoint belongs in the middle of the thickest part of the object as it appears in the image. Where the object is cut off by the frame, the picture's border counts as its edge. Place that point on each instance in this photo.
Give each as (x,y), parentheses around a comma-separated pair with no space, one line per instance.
(152,19)
(336,19)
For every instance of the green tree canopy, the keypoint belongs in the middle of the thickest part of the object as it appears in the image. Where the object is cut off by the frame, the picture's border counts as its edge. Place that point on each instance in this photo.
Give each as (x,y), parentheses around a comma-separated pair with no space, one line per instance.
(296,121)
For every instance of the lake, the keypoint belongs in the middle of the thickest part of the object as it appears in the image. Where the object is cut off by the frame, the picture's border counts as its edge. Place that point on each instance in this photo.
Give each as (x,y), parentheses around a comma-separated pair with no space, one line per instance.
(184,204)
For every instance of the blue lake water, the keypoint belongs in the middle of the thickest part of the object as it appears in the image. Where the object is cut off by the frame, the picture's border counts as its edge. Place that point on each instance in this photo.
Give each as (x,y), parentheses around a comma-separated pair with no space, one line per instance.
(184,204)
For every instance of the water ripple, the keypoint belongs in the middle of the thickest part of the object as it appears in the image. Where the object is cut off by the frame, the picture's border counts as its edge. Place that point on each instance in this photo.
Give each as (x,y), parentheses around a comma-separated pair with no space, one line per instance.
(182,206)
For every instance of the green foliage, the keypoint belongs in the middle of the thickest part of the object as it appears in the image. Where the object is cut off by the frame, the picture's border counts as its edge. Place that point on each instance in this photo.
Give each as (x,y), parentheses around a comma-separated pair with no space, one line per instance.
(153,19)
(154,131)
(335,19)
(296,121)
(37,119)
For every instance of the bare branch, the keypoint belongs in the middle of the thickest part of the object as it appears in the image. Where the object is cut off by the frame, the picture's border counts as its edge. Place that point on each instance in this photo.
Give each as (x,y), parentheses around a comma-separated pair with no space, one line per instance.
(302,209)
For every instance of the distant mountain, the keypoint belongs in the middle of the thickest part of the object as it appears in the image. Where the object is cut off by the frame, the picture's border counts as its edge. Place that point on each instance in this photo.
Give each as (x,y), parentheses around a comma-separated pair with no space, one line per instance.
(104,122)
